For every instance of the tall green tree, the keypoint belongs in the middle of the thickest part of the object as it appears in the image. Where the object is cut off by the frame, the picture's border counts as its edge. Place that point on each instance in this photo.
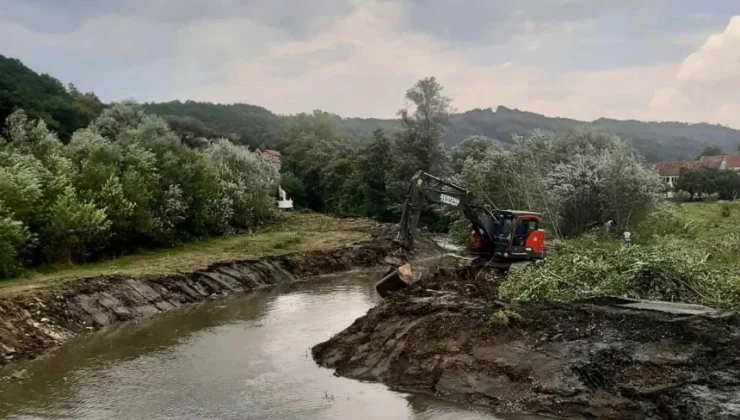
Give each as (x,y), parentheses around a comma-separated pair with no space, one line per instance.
(378,166)
(419,144)
(474,147)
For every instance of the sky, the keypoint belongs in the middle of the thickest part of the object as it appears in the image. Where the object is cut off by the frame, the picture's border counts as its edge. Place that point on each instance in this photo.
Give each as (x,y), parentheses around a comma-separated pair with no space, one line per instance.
(675,60)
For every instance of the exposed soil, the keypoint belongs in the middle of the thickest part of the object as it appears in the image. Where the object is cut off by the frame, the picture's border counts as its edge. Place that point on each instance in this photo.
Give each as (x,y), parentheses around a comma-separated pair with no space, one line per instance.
(39,320)
(448,335)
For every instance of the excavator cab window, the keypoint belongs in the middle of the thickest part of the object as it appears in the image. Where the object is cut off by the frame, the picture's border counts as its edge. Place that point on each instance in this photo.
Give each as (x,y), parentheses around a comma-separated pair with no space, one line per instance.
(523,229)
(504,232)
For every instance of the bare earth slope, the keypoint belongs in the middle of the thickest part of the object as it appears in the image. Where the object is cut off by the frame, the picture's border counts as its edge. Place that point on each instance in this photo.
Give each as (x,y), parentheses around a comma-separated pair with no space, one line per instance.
(37,319)
(606,359)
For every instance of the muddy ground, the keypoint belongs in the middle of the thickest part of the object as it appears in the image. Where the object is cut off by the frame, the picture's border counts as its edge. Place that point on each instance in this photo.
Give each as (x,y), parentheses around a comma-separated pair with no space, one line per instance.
(449,336)
(36,321)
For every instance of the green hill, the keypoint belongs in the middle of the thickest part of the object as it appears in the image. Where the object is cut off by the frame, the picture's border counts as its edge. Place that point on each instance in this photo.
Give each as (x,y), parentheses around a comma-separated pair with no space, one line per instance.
(64,109)
(655,140)
(248,124)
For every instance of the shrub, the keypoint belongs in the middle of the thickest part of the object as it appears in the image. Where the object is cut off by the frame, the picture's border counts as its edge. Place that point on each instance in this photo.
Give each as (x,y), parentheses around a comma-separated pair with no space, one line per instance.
(76,228)
(668,268)
(577,181)
(681,196)
(13,235)
(726,210)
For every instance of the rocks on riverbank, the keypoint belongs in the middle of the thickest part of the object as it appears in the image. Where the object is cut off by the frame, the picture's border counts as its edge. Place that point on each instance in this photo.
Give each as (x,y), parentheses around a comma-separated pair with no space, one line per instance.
(36,321)
(606,358)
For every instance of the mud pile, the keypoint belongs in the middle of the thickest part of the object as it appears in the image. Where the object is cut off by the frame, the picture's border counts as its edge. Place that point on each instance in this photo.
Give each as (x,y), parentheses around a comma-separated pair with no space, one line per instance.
(33,322)
(607,358)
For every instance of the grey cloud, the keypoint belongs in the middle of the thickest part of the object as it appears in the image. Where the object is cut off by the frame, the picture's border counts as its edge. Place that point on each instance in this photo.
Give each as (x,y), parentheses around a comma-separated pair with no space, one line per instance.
(497,21)
(300,18)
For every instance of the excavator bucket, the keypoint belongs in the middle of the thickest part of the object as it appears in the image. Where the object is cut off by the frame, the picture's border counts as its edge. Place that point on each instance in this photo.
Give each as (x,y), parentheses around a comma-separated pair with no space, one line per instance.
(393,280)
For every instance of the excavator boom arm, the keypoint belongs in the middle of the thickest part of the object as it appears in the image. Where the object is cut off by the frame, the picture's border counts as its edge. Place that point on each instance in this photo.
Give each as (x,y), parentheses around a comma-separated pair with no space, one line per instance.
(425,188)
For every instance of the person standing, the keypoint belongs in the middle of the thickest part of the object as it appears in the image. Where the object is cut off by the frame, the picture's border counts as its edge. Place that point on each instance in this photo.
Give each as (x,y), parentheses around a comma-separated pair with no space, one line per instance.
(627,238)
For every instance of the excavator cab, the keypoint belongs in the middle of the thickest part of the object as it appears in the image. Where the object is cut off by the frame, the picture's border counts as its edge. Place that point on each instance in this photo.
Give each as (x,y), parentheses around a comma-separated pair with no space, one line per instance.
(516,237)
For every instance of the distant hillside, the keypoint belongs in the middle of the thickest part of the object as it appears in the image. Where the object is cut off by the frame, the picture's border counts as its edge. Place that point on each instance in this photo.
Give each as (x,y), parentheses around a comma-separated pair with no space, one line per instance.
(66,109)
(655,140)
(42,96)
(248,124)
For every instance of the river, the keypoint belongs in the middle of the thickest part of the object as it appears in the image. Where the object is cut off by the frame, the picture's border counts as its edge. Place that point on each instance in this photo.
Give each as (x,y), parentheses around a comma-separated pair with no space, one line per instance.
(243,357)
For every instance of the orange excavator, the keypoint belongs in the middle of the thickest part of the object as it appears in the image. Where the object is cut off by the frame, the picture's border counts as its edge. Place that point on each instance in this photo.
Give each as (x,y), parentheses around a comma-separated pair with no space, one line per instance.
(498,238)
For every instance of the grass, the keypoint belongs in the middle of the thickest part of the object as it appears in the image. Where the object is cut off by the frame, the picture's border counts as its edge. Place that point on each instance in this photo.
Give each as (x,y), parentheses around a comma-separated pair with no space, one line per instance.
(713,219)
(297,233)
(689,253)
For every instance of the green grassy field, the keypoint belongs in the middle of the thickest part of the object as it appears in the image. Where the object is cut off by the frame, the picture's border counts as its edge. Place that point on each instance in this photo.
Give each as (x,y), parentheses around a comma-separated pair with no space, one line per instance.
(298,233)
(687,253)
(712,219)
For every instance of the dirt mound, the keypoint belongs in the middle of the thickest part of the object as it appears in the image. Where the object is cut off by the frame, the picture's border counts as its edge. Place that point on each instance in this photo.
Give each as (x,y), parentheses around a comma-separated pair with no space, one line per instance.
(35,321)
(607,359)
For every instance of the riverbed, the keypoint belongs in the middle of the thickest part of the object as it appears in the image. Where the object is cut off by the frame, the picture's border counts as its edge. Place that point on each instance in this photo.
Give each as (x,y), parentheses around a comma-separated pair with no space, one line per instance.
(243,357)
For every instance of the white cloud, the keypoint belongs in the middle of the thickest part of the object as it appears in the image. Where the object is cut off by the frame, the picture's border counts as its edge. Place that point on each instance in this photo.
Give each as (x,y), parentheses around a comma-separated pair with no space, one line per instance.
(706,86)
(360,62)
(383,61)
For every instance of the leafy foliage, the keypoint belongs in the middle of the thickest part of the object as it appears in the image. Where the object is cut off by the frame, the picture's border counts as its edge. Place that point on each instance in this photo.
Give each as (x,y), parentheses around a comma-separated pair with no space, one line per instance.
(324,170)
(664,268)
(126,181)
(245,124)
(577,181)
(657,141)
(708,181)
(64,110)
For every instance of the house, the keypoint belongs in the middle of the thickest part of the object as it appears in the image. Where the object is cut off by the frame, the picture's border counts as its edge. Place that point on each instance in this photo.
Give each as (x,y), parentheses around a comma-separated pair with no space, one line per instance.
(669,171)
(731,162)
(272,155)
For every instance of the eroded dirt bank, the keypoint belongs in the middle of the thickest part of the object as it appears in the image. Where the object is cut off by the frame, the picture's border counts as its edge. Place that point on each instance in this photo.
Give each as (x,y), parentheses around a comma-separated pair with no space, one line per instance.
(33,322)
(600,359)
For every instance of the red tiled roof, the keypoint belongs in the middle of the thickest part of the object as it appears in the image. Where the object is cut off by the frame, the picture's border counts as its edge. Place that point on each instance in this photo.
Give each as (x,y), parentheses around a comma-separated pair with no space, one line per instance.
(272,155)
(673,168)
(716,159)
(732,161)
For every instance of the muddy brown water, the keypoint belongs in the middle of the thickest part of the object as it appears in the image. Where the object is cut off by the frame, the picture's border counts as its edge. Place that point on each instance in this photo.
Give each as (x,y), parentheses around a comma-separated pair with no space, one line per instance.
(244,357)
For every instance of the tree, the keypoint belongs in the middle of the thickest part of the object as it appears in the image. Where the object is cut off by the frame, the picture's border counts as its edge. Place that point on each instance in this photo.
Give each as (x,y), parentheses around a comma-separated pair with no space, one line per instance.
(377,166)
(577,180)
(706,181)
(419,144)
(710,151)
(119,185)
(474,147)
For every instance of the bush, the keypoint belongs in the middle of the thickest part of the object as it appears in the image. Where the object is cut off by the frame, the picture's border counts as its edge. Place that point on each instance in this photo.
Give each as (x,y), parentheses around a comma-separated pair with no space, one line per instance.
(726,210)
(667,268)
(577,181)
(76,228)
(13,235)
(681,196)
(124,183)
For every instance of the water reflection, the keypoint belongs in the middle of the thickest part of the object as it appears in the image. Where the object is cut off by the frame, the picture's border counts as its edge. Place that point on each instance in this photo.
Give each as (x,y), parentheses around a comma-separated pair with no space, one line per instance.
(245,357)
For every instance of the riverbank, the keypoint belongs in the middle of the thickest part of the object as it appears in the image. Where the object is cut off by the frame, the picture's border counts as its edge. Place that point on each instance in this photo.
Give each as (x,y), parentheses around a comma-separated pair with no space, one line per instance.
(34,320)
(294,233)
(449,336)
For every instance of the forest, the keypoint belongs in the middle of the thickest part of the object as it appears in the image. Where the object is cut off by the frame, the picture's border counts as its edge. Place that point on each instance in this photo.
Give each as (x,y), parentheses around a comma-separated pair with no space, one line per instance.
(132,180)
(123,183)
(65,109)
(128,181)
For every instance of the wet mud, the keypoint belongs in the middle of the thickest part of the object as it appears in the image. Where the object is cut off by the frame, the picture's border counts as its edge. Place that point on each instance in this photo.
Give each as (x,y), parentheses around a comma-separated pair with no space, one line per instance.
(449,336)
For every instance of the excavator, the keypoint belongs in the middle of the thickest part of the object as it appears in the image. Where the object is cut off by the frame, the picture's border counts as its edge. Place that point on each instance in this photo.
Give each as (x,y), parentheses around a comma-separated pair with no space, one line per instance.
(498,238)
